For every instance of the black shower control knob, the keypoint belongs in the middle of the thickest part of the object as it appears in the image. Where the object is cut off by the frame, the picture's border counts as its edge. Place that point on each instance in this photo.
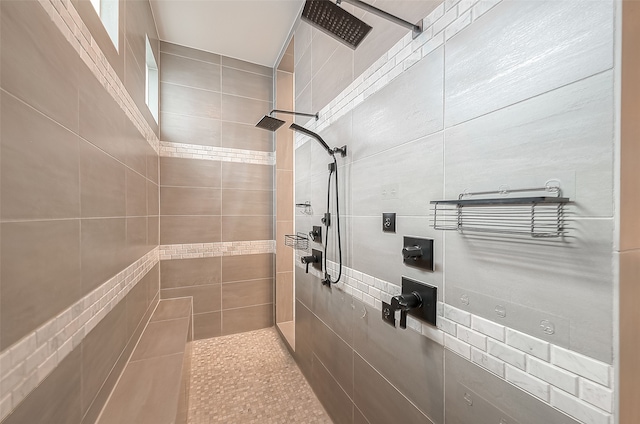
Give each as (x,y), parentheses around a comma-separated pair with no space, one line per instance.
(411,252)
(312,259)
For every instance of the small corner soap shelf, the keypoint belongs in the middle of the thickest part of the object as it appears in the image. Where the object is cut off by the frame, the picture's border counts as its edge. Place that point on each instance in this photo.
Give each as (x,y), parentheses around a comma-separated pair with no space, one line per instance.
(542,215)
(305,208)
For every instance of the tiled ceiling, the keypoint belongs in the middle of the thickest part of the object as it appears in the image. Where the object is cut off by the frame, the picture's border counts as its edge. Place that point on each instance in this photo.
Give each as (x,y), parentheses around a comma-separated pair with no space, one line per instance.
(251,30)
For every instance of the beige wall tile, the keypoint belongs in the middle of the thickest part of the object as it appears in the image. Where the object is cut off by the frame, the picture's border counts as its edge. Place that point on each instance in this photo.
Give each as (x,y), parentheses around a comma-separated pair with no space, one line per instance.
(247,267)
(189,101)
(178,128)
(153,231)
(247,84)
(156,378)
(56,399)
(137,244)
(333,398)
(207,325)
(172,309)
(38,259)
(101,349)
(190,201)
(136,194)
(153,199)
(188,72)
(189,229)
(284,149)
(138,149)
(177,273)
(247,202)
(246,136)
(284,296)
(247,176)
(206,297)
(243,110)
(162,338)
(247,293)
(284,193)
(102,183)
(47,78)
(247,319)
(246,228)
(103,250)
(40,167)
(246,66)
(100,116)
(284,254)
(189,52)
(189,172)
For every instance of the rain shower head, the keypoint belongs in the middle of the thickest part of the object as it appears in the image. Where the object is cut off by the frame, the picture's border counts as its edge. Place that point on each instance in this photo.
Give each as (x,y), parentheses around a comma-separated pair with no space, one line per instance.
(270,123)
(335,22)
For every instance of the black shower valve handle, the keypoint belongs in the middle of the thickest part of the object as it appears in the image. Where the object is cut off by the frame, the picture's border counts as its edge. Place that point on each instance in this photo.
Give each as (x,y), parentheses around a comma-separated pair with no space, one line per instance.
(404,303)
(311,259)
(413,252)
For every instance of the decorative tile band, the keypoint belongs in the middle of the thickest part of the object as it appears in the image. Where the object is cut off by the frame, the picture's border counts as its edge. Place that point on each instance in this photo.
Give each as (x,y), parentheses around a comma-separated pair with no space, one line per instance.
(68,21)
(28,362)
(444,22)
(577,385)
(224,154)
(209,250)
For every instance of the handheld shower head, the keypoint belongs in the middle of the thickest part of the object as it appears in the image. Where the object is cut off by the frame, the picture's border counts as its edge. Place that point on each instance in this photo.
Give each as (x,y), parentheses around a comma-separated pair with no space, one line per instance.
(342,150)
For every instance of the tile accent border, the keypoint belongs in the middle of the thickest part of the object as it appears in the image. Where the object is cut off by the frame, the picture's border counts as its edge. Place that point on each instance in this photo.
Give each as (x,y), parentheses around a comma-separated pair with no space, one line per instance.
(573,383)
(33,358)
(445,21)
(208,250)
(70,24)
(224,154)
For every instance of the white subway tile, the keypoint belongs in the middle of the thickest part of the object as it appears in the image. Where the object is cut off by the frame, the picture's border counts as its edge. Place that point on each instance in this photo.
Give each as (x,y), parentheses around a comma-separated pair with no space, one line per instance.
(459,347)
(488,328)
(458,25)
(527,383)
(596,395)
(433,333)
(554,375)
(482,7)
(506,353)
(447,326)
(433,16)
(445,20)
(368,299)
(473,338)
(23,348)
(531,345)
(457,315)
(582,365)
(489,362)
(414,324)
(578,409)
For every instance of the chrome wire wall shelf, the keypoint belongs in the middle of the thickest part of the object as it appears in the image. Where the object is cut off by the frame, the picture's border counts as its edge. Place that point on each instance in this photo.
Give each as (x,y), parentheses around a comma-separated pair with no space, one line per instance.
(298,241)
(540,215)
(305,208)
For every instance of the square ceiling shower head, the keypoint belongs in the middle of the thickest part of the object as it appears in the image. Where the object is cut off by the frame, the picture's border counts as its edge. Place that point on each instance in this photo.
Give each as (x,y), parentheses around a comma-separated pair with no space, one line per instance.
(335,21)
(270,123)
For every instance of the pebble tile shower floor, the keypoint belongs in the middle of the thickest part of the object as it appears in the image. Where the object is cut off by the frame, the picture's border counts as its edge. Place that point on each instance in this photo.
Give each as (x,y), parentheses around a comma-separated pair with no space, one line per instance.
(249,378)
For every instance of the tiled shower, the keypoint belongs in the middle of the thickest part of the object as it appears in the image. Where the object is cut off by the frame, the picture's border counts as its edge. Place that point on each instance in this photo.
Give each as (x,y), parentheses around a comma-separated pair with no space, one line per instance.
(104,212)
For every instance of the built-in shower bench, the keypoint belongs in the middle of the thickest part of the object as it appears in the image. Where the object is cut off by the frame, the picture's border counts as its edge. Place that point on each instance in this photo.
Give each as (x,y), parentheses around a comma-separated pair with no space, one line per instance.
(154,386)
